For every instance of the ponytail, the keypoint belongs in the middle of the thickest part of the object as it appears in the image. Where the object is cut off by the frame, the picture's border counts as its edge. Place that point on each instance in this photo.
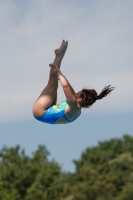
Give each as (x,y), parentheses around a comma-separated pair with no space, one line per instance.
(89,96)
(106,90)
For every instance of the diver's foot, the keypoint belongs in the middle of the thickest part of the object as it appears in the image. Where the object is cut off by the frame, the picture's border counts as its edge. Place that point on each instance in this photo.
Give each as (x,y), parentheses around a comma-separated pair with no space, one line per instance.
(61,51)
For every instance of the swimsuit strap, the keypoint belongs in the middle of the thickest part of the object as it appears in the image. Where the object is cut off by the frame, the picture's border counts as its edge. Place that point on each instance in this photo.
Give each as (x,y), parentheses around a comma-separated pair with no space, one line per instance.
(62,106)
(71,120)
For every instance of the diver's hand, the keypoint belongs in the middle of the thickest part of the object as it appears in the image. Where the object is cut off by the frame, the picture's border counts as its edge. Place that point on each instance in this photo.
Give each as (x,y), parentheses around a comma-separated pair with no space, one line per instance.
(54,67)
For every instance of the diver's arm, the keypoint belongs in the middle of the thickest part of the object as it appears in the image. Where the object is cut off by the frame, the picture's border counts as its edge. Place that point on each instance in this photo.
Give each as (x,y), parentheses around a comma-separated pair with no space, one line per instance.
(64,81)
(71,88)
(68,90)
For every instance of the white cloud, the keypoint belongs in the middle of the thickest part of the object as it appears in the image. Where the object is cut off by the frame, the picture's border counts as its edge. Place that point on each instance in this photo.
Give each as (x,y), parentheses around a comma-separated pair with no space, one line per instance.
(100,50)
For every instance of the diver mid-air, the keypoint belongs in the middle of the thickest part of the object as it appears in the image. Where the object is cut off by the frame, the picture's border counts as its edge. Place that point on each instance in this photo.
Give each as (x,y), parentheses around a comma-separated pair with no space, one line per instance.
(45,108)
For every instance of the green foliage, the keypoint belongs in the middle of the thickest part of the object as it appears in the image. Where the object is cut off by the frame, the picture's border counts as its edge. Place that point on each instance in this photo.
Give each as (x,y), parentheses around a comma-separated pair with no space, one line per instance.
(105,171)
(102,172)
(24,178)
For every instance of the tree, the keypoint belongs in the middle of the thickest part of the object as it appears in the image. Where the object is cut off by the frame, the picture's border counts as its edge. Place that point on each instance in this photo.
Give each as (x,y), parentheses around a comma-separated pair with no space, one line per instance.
(104,172)
(30,178)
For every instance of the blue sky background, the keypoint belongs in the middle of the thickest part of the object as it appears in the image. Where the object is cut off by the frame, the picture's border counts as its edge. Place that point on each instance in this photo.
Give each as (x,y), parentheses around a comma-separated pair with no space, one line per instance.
(100,35)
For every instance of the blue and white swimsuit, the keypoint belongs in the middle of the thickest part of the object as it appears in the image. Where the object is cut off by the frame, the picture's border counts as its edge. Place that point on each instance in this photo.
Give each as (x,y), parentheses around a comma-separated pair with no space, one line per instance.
(55,112)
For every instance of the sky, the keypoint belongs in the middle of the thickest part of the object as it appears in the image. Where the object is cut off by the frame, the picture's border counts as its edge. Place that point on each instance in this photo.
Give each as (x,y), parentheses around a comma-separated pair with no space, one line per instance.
(100,37)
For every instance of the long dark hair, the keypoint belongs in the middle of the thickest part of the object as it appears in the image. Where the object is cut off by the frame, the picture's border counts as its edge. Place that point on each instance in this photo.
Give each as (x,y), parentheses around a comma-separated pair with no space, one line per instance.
(89,96)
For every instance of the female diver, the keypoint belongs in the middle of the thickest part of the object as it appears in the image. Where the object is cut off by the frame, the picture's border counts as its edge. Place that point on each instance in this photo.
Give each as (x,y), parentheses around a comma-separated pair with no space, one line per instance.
(45,108)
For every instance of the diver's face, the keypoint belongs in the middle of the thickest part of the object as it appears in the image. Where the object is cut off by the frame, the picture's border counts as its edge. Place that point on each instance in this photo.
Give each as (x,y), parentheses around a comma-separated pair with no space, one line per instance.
(78,95)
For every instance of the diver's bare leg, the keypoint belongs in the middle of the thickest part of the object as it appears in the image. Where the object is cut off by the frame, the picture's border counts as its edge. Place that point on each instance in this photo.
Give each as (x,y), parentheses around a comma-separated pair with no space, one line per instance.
(48,95)
(58,58)
(60,52)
